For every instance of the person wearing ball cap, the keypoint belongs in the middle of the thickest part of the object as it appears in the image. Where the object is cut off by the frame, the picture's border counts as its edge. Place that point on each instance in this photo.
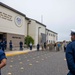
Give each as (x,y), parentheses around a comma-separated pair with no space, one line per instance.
(70,54)
(72,32)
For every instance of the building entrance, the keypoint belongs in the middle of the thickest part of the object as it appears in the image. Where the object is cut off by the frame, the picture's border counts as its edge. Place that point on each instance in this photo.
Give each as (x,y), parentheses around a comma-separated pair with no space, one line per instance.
(1,36)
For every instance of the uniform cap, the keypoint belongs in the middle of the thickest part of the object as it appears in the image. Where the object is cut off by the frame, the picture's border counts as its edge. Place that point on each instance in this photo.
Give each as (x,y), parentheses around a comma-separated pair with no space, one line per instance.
(72,32)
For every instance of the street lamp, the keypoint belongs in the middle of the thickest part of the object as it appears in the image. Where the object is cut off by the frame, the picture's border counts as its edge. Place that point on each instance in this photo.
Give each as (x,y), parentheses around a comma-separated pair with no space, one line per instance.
(38,34)
(28,27)
(28,30)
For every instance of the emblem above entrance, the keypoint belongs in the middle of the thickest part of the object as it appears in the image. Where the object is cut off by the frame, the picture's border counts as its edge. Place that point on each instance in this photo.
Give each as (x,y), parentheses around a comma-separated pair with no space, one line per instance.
(18,21)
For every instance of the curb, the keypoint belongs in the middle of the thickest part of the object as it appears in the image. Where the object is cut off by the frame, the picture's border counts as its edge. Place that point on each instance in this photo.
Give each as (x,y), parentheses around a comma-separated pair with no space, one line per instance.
(8,54)
(15,53)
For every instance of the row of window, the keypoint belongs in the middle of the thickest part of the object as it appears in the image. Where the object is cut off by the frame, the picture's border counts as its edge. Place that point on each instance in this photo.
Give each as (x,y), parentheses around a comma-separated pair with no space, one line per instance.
(51,34)
(50,41)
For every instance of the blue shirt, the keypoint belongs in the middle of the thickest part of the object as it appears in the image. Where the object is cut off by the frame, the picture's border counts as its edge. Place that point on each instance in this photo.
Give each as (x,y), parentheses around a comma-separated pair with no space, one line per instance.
(70,56)
(59,45)
(2,56)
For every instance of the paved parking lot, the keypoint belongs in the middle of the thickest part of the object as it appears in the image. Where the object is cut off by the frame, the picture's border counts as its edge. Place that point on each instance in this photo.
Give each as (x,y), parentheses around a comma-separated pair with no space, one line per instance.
(36,63)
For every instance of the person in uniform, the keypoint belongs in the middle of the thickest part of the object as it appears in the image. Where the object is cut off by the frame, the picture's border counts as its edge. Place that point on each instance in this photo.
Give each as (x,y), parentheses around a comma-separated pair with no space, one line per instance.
(65,45)
(3,45)
(55,46)
(38,46)
(21,45)
(45,45)
(0,44)
(30,46)
(70,54)
(10,44)
(2,59)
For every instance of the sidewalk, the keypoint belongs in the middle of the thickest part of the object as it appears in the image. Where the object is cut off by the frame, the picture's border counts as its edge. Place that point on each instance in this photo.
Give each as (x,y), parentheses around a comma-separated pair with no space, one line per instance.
(17,52)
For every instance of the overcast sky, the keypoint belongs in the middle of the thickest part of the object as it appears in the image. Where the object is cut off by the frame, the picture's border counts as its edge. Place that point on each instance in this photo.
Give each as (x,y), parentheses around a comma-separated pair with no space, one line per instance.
(57,15)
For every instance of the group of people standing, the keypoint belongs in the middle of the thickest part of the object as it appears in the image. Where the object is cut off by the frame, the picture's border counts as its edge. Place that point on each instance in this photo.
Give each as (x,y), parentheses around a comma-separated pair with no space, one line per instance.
(20,45)
(65,45)
(61,46)
(30,45)
(3,45)
(38,46)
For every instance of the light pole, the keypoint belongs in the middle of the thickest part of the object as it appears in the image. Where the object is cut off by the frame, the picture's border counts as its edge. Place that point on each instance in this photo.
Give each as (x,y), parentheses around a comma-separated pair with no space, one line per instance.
(28,30)
(38,34)
(28,27)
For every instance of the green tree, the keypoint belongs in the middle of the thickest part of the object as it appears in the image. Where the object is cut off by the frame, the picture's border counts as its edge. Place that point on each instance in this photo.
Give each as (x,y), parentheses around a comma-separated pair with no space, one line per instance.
(29,40)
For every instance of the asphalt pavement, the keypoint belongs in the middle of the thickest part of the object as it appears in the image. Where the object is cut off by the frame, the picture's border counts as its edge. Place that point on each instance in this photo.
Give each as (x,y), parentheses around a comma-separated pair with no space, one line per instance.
(36,63)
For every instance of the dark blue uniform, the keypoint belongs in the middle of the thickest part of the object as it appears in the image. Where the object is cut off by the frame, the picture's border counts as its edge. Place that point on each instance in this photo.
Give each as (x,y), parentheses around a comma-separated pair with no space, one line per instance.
(38,47)
(70,56)
(45,45)
(2,56)
(21,45)
(10,44)
(3,45)
(0,45)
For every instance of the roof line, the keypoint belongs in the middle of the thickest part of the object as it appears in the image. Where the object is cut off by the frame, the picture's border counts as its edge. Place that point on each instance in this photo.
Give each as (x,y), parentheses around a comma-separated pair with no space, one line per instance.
(35,21)
(51,31)
(40,23)
(6,6)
